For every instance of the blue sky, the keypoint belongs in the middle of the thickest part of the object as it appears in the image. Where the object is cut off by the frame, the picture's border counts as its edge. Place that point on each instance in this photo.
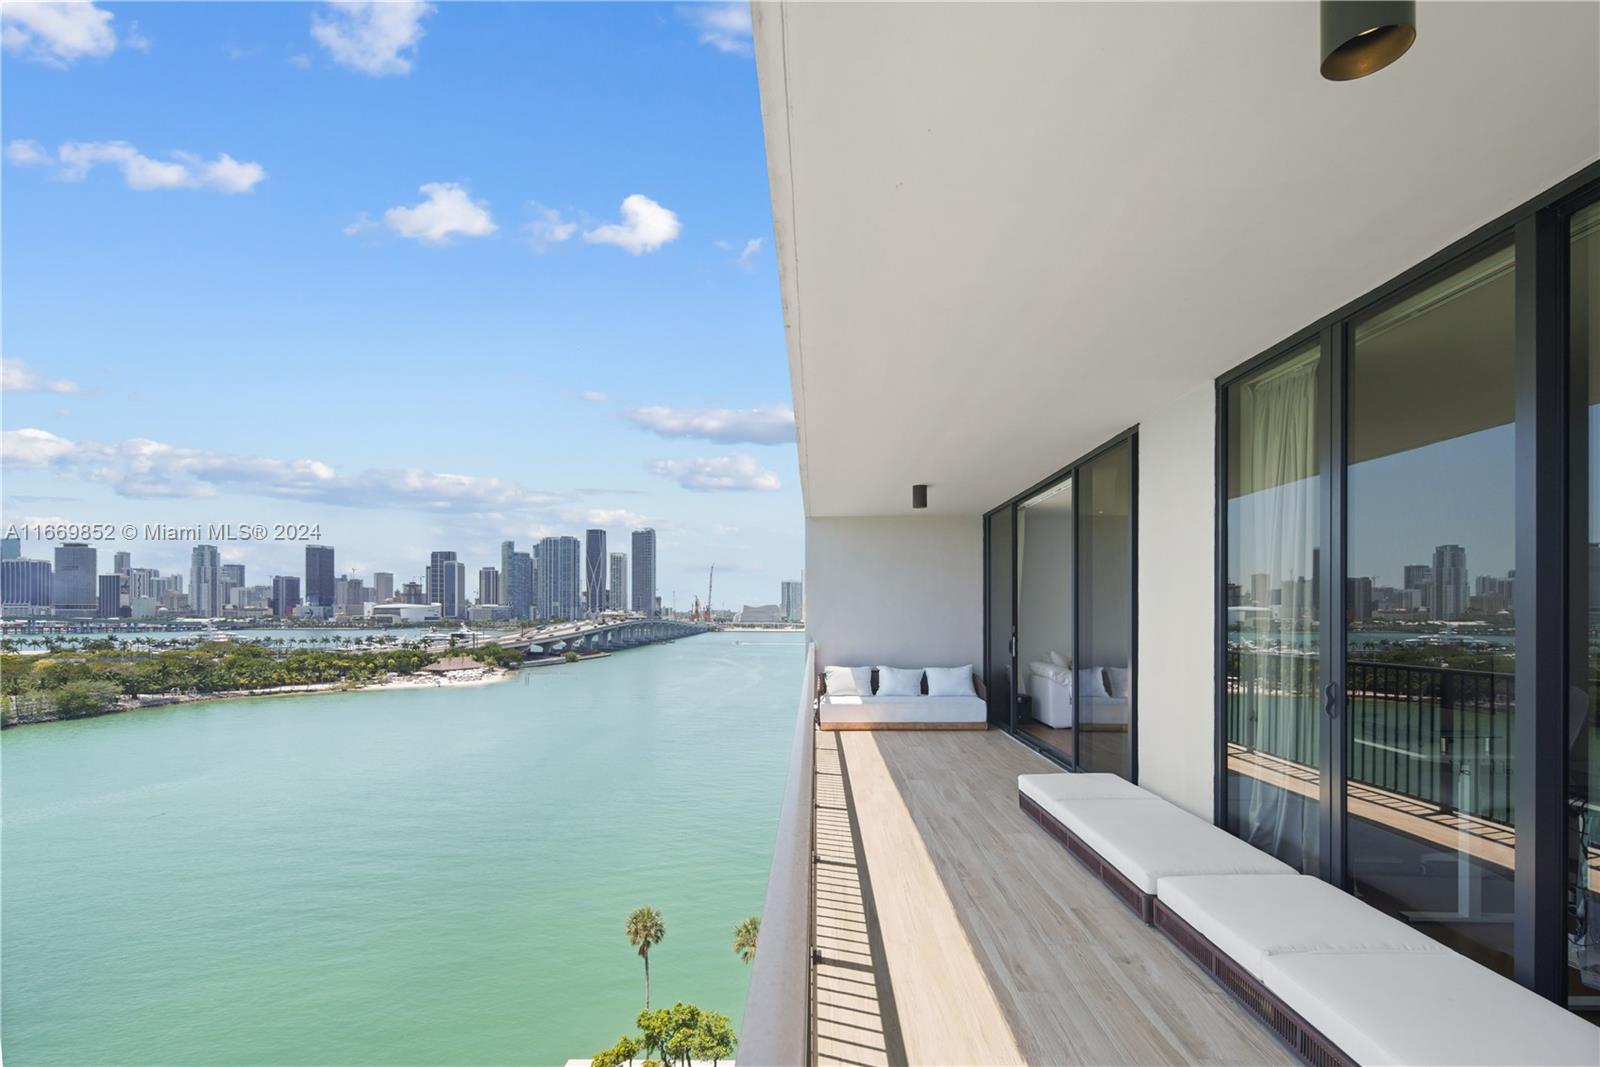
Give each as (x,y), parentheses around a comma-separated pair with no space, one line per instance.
(325,256)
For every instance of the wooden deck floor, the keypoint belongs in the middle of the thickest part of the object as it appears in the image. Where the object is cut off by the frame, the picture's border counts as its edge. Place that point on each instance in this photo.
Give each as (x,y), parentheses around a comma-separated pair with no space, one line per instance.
(953,931)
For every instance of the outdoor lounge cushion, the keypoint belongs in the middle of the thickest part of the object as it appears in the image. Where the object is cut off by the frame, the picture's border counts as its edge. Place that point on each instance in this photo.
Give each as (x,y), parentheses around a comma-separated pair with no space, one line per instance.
(950,681)
(1046,790)
(1250,917)
(848,681)
(899,682)
(1427,1008)
(887,710)
(1148,839)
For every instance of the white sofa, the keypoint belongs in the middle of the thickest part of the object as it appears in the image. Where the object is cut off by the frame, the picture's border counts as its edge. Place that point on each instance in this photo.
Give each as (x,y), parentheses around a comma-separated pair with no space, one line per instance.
(1337,979)
(1050,688)
(879,712)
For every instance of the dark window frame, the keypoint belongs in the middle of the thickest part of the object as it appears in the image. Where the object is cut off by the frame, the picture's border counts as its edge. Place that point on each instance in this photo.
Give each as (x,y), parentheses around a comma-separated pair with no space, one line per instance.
(1549,468)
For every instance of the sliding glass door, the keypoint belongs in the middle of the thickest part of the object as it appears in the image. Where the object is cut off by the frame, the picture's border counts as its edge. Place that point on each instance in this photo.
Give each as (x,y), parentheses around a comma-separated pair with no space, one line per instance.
(1275,514)
(1061,650)
(1431,625)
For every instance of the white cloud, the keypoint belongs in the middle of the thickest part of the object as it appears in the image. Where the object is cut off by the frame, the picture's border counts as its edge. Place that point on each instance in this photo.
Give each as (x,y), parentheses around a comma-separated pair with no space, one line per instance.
(645,227)
(747,257)
(595,396)
(736,473)
(378,38)
(446,212)
(605,517)
(768,425)
(142,468)
(17,377)
(58,34)
(301,60)
(723,26)
(548,227)
(75,159)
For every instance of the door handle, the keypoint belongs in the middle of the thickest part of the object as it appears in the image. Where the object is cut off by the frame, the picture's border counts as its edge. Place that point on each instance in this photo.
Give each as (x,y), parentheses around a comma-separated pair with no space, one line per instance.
(1330,700)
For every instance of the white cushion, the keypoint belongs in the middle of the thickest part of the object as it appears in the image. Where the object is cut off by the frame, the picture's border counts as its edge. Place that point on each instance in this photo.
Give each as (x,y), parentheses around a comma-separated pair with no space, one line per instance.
(1047,790)
(950,681)
(1148,839)
(1421,1008)
(848,681)
(1059,660)
(1117,681)
(1251,917)
(1092,683)
(889,710)
(1052,672)
(899,682)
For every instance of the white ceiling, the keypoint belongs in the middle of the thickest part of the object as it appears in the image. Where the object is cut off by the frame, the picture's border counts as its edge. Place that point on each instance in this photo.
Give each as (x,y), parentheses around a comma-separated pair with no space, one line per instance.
(1007,232)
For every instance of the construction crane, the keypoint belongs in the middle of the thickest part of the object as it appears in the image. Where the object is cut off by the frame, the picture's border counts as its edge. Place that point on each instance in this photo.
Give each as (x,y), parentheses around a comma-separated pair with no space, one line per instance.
(710,579)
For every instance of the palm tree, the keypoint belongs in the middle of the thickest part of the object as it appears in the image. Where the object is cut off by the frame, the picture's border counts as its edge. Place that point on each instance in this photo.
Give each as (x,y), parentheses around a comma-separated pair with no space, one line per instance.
(645,929)
(744,938)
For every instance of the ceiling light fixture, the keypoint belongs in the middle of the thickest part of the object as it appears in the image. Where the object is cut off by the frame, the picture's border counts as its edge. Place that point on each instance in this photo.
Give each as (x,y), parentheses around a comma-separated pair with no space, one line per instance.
(1361,37)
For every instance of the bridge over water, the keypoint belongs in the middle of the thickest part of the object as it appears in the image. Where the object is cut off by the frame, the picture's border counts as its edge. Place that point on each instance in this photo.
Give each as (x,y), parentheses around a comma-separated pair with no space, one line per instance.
(599,636)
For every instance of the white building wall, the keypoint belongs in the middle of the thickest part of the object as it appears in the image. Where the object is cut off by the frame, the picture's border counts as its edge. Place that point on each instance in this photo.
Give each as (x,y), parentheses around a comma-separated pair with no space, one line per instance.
(1177,567)
(907,592)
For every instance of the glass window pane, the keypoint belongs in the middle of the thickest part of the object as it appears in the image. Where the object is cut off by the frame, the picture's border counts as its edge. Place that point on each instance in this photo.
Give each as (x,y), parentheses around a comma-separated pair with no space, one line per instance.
(1429,634)
(1583,726)
(1044,616)
(1105,611)
(1274,533)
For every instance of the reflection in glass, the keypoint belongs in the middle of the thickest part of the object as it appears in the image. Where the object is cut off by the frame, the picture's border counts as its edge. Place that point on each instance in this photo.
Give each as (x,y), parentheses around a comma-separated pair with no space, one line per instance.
(1105,611)
(1274,538)
(1045,532)
(999,680)
(1429,645)
(1583,726)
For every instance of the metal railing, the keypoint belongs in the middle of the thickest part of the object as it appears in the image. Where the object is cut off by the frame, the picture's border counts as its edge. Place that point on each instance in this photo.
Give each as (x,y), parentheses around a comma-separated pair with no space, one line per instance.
(777,1008)
(1439,735)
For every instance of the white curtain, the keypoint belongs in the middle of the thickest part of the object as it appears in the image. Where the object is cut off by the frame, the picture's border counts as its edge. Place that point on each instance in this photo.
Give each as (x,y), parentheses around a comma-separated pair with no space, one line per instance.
(1280,495)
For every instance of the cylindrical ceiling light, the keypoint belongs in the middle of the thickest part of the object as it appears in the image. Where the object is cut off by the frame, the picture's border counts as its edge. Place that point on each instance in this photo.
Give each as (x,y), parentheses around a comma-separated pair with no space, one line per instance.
(919,496)
(1361,37)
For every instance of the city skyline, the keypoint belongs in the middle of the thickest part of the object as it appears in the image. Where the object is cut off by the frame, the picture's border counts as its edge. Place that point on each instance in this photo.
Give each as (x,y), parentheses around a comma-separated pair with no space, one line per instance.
(321,288)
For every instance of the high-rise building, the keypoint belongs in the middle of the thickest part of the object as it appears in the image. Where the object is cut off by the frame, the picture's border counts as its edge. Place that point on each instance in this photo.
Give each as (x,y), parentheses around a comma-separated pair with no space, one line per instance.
(26,587)
(617,593)
(205,582)
(10,548)
(1358,599)
(382,586)
(488,585)
(517,585)
(1450,591)
(233,585)
(594,571)
(319,591)
(121,563)
(440,581)
(413,593)
(644,571)
(110,596)
(559,577)
(285,595)
(454,605)
(142,582)
(76,594)
(791,600)
(349,594)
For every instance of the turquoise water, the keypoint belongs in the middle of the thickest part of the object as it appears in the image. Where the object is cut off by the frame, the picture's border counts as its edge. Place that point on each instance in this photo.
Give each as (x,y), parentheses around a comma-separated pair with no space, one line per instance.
(407,877)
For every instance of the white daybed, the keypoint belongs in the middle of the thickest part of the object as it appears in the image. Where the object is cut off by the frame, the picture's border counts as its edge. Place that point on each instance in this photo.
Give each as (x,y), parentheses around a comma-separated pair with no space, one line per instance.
(1050,687)
(875,711)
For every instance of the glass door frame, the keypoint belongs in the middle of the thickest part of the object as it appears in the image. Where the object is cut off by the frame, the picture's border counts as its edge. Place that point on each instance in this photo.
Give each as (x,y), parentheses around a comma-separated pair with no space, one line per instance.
(1549,551)
(1130,437)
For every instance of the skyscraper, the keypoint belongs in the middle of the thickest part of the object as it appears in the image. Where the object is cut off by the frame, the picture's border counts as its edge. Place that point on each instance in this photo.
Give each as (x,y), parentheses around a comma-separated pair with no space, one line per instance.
(1450,590)
(142,582)
(25,586)
(594,571)
(516,580)
(617,594)
(11,548)
(488,585)
(382,586)
(110,596)
(205,582)
(122,563)
(232,585)
(285,595)
(559,577)
(319,590)
(791,600)
(76,594)
(644,571)
(454,604)
(435,579)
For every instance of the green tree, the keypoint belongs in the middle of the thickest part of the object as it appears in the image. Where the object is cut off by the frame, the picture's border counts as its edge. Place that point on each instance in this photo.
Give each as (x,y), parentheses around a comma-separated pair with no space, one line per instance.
(618,1055)
(84,697)
(570,656)
(713,1039)
(744,938)
(645,930)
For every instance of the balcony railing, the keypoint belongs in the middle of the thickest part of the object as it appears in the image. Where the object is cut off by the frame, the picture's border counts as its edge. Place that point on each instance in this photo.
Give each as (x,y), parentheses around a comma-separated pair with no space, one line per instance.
(1439,735)
(777,1008)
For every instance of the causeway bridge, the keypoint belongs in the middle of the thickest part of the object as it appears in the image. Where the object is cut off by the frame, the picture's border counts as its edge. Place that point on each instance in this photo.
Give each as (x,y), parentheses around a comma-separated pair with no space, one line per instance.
(598,636)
